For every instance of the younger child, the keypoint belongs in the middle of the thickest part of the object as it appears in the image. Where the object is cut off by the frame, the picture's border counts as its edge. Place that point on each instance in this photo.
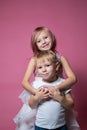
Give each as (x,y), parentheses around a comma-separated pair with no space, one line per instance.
(47,66)
(48,101)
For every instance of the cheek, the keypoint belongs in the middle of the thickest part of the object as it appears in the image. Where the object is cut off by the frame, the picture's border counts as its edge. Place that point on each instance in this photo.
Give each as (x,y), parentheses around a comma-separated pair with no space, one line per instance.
(39,72)
(37,45)
(51,44)
(50,40)
(51,70)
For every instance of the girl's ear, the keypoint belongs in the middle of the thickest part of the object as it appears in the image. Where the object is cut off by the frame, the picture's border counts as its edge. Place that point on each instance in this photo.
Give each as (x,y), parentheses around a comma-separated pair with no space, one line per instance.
(57,66)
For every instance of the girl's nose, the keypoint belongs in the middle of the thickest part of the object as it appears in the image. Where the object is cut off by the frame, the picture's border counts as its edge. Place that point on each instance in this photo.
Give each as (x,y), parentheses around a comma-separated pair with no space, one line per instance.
(43,41)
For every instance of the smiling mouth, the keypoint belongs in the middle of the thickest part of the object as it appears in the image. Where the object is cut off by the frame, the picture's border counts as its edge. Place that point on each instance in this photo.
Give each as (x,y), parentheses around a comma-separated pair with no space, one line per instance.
(46,45)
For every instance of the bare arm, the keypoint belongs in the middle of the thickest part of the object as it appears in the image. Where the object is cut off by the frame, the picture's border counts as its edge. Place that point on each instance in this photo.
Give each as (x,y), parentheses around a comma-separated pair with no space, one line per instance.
(29,71)
(34,100)
(71,78)
(66,100)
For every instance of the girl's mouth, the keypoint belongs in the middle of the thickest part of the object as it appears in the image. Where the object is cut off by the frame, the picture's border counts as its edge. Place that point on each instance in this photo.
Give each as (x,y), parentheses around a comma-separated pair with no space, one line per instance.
(46,45)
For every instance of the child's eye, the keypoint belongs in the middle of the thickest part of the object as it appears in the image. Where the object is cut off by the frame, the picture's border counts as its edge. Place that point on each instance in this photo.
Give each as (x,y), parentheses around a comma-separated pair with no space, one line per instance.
(48,65)
(39,67)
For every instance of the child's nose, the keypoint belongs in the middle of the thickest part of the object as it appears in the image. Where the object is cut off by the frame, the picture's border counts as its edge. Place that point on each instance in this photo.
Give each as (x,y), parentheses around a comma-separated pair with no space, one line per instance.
(44,69)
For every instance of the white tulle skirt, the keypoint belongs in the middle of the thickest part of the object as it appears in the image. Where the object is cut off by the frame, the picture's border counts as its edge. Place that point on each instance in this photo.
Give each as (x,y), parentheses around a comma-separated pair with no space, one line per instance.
(25,118)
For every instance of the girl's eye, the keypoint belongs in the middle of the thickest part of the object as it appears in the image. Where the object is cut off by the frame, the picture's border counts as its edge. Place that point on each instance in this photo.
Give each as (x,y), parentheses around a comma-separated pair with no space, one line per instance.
(38,41)
(45,37)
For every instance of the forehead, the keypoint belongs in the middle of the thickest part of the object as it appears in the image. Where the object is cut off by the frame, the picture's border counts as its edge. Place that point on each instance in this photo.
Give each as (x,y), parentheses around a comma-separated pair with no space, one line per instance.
(41,33)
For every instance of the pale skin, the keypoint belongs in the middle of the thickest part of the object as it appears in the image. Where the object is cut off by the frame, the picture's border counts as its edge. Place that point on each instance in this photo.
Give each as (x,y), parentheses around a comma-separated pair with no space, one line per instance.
(47,70)
(44,43)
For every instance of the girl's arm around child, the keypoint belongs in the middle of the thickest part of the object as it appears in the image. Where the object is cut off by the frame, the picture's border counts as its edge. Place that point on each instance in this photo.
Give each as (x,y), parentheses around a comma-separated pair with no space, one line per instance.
(71,78)
(66,100)
(29,71)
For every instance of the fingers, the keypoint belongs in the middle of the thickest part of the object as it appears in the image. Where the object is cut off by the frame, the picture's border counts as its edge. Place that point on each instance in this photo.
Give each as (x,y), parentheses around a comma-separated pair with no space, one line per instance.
(49,92)
(43,94)
(54,93)
(44,89)
(46,96)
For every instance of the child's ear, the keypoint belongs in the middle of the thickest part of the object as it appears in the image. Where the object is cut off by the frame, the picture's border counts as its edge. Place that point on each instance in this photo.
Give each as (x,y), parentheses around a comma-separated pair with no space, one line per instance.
(57,66)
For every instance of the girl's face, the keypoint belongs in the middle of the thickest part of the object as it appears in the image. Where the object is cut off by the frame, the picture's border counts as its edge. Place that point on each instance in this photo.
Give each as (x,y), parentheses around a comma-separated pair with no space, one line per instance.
(44,41)
(47,70)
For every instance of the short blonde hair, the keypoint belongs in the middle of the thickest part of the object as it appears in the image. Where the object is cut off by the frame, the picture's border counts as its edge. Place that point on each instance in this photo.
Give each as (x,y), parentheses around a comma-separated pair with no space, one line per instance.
(49,55)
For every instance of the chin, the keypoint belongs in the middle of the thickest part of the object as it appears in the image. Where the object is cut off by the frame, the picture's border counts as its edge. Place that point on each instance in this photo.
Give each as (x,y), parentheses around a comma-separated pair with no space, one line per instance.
(46,80)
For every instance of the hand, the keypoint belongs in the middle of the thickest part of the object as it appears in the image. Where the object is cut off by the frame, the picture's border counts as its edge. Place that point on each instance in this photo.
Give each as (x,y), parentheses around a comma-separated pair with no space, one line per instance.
(56,94)
(35,91)
(42,93)
(52,89)
(45,88)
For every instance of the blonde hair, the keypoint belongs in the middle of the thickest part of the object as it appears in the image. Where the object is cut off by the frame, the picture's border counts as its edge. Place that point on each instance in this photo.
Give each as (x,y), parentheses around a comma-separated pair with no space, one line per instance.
(49,55)
(33,39)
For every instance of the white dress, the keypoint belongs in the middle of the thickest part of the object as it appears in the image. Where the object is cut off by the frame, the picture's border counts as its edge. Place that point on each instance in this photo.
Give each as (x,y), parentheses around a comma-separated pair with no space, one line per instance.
(25,118)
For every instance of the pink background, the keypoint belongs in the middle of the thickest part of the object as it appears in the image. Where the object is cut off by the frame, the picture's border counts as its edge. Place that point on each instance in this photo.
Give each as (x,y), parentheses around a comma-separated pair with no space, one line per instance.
(18,18)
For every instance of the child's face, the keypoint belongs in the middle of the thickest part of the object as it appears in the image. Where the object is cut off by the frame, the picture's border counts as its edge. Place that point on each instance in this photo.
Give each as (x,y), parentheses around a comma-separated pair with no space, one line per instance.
(44,41)
(46,69)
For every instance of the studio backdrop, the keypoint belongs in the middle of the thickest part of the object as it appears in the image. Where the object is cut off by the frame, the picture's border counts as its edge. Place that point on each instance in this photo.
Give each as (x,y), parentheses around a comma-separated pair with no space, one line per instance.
(67,19)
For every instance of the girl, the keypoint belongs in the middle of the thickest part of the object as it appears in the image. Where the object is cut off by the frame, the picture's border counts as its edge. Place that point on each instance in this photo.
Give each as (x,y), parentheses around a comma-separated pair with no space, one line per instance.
(42,40)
